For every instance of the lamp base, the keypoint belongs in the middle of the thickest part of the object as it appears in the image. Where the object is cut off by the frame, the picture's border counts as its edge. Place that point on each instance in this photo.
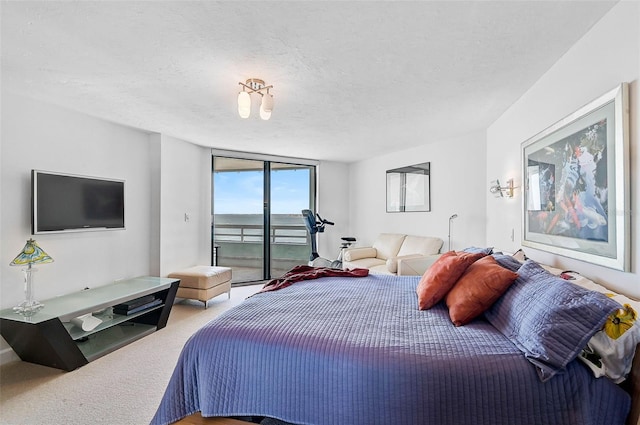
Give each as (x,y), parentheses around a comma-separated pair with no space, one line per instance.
(28,308)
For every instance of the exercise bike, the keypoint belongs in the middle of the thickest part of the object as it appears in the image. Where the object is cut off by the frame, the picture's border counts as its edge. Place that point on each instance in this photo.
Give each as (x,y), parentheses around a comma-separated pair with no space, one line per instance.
(316,224)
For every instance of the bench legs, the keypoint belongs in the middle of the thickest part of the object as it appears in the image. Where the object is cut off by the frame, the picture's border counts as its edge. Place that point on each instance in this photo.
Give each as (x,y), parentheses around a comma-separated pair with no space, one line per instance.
(206,303)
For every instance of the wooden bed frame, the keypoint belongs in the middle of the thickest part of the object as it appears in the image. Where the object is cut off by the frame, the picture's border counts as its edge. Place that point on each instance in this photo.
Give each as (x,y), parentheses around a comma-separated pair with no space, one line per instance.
(632,385)
(197,419)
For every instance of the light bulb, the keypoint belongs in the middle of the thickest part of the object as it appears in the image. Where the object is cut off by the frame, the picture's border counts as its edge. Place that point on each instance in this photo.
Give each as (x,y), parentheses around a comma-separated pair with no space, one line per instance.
(267,102)
(244,104)
(265,115)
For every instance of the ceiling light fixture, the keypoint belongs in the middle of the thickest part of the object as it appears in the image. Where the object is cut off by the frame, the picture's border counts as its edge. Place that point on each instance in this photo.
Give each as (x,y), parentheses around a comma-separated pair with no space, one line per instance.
(255,85)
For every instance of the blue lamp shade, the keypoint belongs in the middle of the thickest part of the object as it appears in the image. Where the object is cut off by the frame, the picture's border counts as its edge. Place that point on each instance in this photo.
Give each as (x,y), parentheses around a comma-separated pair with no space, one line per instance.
(31,254)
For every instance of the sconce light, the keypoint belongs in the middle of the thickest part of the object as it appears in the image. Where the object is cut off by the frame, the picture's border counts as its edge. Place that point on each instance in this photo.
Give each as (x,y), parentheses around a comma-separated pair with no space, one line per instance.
(502,191)
(255,85)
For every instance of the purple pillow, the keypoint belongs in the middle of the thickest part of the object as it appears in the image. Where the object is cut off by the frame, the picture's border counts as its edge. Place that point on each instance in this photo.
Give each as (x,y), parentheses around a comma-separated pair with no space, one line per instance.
(507,261)
(549,319)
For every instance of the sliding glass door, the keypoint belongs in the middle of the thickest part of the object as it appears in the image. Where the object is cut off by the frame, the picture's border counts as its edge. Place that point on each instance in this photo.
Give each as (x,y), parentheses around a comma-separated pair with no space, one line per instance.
(257,226)
(238,217)
(291,191)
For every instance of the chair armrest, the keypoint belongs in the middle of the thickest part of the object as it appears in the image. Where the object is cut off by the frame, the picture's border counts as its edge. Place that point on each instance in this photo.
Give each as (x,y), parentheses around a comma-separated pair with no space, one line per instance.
(392,263)
(352,254)
(416,266)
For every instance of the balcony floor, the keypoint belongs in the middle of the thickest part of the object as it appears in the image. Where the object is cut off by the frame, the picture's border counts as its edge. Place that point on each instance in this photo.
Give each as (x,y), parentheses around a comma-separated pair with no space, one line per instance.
(251,275)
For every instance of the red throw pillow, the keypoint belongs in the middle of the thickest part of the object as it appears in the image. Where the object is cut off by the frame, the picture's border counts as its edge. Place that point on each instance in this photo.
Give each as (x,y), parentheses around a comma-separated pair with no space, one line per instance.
(477,289)
(441,276)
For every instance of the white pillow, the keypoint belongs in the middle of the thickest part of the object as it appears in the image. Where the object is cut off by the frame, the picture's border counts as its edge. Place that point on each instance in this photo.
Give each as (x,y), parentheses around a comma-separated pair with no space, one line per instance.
(610,351)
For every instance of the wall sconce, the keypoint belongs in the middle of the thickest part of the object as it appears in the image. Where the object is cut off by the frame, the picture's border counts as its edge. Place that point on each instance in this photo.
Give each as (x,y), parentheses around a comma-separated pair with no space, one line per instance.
(255,85)
(502,191)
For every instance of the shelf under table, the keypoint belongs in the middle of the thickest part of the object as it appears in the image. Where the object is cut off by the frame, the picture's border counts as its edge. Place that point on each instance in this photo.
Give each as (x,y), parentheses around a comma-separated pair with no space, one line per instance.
(109,318)
(110,339)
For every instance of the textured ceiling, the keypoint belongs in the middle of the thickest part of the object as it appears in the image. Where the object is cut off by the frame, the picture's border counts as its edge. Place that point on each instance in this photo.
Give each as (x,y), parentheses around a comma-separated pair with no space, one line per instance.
(352,80)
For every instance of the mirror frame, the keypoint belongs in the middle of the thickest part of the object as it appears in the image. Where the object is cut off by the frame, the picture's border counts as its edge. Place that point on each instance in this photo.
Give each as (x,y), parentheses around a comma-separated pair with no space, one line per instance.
(409,188)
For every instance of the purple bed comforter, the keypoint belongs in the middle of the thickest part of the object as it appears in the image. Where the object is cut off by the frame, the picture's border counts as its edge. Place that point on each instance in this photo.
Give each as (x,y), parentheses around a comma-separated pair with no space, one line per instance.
(344,351)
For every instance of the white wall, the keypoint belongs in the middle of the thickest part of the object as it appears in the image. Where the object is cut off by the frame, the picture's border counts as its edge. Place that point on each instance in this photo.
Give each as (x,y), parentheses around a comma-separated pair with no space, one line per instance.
(155,210)
(185,189)
(333,205)
(606,56)
(458,185)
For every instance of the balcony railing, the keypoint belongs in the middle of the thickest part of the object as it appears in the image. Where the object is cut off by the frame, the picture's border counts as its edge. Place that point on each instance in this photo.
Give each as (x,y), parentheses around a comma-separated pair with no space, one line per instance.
(278,234)
(241,245)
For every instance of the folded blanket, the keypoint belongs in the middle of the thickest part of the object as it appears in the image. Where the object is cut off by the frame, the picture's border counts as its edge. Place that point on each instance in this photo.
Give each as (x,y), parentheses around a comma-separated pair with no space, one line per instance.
(302,272)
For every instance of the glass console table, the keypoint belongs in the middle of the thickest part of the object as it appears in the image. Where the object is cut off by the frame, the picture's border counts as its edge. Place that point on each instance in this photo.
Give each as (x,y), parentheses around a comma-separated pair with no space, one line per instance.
(49,338)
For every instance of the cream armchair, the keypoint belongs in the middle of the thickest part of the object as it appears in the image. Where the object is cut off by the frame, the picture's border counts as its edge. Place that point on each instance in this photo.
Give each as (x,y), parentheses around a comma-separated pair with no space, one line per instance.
(394,253)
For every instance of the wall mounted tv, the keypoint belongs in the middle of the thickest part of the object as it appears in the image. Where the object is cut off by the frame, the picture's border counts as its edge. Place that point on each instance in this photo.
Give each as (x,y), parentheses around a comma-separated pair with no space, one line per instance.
(69,203)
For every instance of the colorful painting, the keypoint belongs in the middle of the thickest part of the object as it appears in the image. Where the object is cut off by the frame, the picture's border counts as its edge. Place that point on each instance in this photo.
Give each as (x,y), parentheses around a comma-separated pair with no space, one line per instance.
(578,208)
(575,175)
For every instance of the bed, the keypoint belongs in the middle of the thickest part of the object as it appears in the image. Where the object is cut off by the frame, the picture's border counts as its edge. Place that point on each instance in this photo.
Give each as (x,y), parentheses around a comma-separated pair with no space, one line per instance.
(345,350)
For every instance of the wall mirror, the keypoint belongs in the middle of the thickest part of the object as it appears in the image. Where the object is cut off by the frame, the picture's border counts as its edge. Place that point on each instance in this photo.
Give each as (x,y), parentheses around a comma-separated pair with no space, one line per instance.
(409,188)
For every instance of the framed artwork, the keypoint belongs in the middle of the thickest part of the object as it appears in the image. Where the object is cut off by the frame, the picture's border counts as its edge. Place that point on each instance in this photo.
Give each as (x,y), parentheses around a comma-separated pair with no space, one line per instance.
(576,184)
(409,188)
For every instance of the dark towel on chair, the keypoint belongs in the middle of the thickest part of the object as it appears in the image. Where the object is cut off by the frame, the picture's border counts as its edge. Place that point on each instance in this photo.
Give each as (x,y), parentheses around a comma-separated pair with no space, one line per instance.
(302,272)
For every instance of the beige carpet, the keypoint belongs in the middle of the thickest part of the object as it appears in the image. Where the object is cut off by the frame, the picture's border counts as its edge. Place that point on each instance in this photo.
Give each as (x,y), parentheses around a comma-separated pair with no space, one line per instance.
(123,387)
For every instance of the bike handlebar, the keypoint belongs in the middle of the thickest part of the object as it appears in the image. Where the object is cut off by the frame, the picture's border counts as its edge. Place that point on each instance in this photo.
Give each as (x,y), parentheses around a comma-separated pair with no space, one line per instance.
(323,221)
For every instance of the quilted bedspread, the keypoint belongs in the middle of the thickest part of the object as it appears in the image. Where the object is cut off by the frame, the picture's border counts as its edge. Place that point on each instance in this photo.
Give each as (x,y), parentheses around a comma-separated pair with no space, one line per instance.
(358,351)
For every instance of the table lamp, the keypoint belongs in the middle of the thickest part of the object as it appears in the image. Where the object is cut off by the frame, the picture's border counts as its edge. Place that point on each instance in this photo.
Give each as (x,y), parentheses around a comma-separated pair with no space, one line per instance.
(30,254)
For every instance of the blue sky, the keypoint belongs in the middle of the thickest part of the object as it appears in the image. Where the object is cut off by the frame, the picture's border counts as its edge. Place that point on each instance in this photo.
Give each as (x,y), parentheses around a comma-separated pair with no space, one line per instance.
(241,192)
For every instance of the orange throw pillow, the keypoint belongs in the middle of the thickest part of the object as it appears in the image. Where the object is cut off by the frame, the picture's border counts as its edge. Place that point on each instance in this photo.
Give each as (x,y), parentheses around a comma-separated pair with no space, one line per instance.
(477,289)
(441,276)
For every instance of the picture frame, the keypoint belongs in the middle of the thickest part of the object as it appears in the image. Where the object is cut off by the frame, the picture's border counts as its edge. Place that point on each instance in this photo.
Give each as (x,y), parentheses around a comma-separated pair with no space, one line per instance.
(409,188)
(575,178)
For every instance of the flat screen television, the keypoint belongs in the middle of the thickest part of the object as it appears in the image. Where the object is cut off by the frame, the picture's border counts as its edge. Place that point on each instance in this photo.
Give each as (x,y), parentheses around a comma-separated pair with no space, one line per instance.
(70,203)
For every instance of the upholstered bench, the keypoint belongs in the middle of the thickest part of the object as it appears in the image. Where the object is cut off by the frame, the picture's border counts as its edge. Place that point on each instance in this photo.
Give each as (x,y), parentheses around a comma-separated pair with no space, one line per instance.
(203,282)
